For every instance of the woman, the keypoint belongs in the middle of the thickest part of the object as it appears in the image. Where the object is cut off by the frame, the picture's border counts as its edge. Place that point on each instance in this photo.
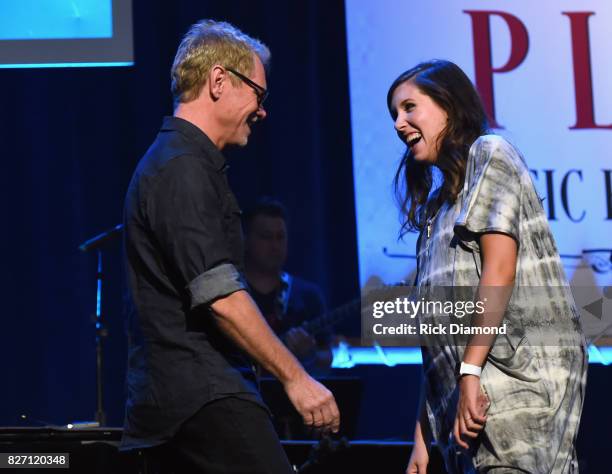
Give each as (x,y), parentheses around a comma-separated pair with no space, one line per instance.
(485,227)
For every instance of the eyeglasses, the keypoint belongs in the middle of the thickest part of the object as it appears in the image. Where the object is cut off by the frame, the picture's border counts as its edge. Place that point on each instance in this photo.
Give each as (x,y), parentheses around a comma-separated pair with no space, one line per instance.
(261,93)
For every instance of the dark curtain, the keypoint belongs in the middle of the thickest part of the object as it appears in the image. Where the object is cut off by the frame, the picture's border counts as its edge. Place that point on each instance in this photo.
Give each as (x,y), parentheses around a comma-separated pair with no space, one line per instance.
(71,139)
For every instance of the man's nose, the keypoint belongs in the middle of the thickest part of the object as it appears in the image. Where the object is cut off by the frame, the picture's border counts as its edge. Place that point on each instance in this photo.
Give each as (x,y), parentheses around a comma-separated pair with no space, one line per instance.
(261,113)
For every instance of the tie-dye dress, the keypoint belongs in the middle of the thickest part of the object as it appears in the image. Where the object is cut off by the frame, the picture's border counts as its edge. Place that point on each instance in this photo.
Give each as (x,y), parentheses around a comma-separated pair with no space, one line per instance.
(535,376)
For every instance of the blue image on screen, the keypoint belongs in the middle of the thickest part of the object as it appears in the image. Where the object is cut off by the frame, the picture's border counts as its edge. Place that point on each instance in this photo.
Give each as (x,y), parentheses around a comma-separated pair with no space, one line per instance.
(55,19)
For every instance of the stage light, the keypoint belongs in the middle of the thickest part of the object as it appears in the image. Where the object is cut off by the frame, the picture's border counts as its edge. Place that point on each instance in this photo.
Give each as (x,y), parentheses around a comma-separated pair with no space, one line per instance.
(62,33)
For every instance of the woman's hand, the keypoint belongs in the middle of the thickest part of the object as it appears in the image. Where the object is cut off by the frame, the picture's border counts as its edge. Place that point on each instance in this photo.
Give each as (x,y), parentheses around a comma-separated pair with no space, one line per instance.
(469,421)
(419,458)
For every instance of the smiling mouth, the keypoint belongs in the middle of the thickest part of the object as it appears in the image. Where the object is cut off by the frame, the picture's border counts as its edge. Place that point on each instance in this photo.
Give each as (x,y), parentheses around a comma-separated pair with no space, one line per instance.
(252,118)
(413,138)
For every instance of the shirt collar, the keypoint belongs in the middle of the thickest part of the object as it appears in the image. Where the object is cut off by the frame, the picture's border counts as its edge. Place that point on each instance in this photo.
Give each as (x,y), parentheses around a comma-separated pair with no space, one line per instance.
(196,135)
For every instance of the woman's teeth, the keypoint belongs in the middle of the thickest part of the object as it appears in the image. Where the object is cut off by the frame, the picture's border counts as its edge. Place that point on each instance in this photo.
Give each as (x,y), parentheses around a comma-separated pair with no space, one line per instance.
(413,138)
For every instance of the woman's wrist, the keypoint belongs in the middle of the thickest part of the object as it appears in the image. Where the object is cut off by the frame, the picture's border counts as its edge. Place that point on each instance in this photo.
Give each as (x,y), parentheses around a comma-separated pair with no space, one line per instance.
(470,369)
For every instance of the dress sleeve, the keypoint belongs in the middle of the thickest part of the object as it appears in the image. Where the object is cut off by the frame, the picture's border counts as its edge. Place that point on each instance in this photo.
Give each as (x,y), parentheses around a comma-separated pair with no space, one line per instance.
(186,217)
(491,200)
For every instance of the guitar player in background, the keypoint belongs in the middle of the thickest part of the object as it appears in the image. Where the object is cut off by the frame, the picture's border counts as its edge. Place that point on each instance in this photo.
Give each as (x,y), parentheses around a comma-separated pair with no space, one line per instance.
(296,311)
(285,300)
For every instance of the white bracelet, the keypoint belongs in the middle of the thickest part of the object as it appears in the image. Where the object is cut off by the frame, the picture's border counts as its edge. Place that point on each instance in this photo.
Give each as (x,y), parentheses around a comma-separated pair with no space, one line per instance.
(469,369)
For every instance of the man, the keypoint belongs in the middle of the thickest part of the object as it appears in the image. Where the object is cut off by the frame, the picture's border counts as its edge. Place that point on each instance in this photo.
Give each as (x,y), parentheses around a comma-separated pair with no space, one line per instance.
(191,386)
(286,301)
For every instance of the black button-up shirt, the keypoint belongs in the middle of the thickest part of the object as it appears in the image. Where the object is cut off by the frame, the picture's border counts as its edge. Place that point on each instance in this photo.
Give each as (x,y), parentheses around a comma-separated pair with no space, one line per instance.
(183,248)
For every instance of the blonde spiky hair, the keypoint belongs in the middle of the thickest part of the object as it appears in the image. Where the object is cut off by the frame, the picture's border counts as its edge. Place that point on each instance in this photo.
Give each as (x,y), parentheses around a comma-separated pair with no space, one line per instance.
(207,43)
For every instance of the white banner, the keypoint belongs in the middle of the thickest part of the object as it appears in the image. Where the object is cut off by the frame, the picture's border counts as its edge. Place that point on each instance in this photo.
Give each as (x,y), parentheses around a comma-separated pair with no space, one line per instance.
(544,71)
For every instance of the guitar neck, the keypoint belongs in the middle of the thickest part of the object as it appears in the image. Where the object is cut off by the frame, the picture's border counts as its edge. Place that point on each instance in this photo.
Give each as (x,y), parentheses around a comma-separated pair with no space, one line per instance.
(328,320)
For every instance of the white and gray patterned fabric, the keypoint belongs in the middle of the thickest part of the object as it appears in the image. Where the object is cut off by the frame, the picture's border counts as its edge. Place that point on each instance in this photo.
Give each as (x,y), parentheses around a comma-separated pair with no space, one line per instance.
(534,376)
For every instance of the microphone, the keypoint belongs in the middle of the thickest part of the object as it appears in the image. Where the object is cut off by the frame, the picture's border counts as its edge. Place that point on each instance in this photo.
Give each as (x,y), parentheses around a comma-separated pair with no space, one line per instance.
(100,239)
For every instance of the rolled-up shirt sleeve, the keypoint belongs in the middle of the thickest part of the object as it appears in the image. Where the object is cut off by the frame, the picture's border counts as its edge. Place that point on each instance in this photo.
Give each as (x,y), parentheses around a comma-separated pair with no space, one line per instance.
(214,283)
(186,215)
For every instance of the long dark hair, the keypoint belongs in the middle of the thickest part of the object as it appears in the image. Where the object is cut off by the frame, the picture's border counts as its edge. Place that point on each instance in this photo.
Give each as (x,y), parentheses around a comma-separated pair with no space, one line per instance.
(448,86)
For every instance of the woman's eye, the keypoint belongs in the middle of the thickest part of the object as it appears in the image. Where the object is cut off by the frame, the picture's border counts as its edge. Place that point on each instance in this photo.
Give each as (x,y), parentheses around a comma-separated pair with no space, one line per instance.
(408,107)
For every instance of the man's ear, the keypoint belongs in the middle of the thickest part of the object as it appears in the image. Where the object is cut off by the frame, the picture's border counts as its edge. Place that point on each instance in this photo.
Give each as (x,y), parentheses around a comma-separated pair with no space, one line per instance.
(216,82)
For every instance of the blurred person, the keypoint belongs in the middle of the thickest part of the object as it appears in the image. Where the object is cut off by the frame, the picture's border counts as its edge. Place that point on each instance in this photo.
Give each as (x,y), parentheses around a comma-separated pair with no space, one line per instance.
(287,301)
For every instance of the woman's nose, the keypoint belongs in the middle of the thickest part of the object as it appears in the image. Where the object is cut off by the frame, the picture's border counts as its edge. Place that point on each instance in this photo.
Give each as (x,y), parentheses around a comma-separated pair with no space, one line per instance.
(400,123)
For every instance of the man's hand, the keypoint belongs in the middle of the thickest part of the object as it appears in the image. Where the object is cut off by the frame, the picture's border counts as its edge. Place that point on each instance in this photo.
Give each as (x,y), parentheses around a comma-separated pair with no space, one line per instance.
(469,420)
(314,402)
(302,344)
(238,316)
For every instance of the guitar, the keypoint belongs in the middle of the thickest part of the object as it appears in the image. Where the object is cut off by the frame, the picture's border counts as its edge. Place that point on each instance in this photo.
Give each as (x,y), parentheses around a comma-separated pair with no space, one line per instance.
(334,317)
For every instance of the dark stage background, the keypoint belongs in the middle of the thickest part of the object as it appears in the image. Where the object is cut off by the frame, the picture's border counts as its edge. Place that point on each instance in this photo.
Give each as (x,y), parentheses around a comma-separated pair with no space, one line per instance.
(70,141)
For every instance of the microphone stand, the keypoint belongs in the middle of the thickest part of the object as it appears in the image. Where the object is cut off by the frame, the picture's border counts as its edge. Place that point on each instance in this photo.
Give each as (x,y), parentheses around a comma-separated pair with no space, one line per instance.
(95,243)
